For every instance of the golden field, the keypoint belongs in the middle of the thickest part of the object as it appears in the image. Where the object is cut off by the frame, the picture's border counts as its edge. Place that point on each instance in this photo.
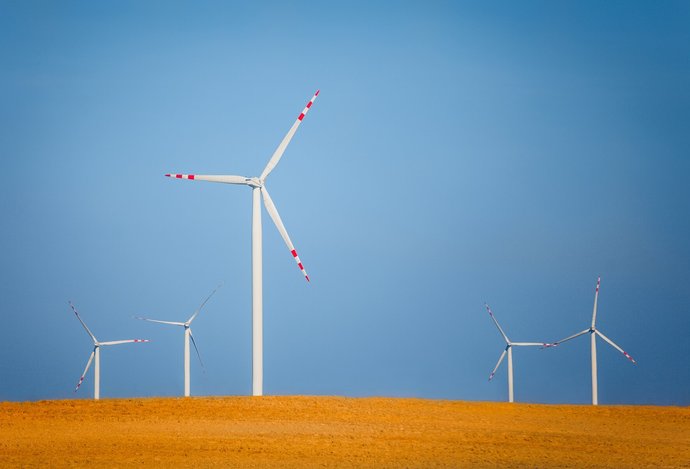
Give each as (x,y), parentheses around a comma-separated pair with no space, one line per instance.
(300,431)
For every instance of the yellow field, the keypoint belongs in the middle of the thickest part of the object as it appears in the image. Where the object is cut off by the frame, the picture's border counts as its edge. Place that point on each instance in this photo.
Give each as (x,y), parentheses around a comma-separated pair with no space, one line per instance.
(339,432)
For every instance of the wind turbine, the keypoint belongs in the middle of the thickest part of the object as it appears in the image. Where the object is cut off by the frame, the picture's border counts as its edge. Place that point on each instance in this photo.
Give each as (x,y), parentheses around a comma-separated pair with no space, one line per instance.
(259,191)
(187,335)
(593,332)
(97,354)
(509,351)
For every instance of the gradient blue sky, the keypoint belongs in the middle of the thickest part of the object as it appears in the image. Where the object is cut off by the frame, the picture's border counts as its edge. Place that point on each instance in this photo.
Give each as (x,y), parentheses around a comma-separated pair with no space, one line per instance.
(459,152)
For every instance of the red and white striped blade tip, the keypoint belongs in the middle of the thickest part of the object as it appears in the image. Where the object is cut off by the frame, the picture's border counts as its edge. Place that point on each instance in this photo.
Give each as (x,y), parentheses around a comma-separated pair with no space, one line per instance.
(627,355)
(180,176)
(299,264)
(81,380)
(307,107)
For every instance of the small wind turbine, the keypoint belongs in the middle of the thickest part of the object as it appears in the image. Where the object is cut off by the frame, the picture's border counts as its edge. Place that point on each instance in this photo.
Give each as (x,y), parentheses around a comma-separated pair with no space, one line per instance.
(97,354)
(509,351)
(187,335)
(259,191)
(593,332)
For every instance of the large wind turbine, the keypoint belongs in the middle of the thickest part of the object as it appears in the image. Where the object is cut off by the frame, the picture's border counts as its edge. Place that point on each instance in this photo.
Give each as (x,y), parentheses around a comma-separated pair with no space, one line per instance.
(509,351)
(187,335)
(97,354)
(593,332)
(258,185)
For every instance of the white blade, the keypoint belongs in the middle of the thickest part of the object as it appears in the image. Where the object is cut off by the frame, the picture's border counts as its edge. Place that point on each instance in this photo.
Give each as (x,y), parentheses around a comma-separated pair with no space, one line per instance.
(173,323)
(558,342)
(286,140)
(205,177)
(505,337)
(83,375)
(529,344)
(596,298)
(128,341)
(500,359)
(189,321)
(273,212)
(191,336)
(626,354)
(82,323)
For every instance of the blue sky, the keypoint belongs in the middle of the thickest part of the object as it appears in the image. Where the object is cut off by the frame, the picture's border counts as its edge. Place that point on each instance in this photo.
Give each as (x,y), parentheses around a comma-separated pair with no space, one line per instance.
(459,152)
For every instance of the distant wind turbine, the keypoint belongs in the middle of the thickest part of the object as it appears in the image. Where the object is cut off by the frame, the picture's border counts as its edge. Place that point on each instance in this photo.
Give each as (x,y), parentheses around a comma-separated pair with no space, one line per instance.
(97,355)
(509,351)
(593,332)
(187,335)
(259,191)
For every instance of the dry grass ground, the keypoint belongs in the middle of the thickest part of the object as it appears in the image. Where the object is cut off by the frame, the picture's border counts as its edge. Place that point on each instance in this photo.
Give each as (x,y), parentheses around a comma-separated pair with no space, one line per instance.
(309,432)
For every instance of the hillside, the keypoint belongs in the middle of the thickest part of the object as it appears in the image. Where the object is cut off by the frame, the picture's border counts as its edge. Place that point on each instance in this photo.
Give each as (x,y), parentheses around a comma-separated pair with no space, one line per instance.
(304,431)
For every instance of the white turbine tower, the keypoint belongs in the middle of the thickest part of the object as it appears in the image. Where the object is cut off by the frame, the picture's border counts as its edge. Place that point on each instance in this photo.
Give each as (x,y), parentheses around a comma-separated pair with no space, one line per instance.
(593,332)
(97,355)
(187,335)
(509,351)
(258,185)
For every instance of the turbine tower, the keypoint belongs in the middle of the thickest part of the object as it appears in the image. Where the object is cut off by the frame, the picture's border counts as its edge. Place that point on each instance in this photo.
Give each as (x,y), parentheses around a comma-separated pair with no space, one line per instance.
(259,192)
(97,355)
(187,336)
(509,351)
(593,332)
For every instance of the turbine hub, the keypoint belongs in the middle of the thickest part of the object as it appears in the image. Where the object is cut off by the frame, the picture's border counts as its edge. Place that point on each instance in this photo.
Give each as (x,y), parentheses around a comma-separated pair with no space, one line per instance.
(255,182)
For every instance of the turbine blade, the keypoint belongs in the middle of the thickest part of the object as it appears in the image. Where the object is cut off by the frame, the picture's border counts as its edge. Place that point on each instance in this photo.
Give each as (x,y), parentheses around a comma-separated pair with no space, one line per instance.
(558,342)
(626,354)
(128,341)
(160,322)
(505,337)
(286,140)
(500,359)
(83,375)
(596,298)
(83,323)
(189,321)
(273,212)
(529,344)
(191,336)
(211,178)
